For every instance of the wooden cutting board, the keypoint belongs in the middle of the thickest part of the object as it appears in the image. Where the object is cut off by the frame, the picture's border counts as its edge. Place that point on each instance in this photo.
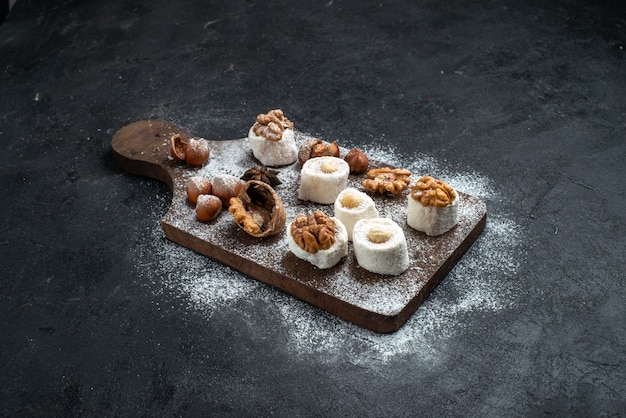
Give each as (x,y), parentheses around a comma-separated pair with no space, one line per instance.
(377,302)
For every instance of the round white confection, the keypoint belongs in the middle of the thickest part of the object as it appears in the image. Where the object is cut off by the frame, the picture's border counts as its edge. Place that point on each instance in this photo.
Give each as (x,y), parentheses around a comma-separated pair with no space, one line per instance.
(274,153)
(432,220)
(390,257)
(349,216)
(320,187)
(323,259)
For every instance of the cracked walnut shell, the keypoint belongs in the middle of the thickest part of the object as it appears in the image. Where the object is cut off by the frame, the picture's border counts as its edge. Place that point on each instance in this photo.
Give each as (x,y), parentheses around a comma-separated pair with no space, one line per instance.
(264,174)
(313,231)
(271,125)
(258,210)
(386,179)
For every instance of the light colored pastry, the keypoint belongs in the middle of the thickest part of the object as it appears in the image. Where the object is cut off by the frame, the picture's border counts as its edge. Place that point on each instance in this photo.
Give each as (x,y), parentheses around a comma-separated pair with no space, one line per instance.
(352,205)
(432,206)
(380,246)
(272,139)
(318,238)
(322,179)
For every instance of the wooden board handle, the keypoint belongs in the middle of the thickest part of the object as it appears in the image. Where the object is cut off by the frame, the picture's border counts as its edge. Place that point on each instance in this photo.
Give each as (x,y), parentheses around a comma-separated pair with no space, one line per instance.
(142,148)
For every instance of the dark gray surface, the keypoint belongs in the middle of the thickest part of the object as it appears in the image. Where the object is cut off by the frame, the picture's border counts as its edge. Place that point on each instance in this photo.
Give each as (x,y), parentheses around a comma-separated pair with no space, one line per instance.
(529,94)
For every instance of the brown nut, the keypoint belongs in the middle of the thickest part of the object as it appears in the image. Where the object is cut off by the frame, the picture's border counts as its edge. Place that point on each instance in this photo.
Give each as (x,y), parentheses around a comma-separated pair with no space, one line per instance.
(351,200)
(197,151)
(432,192)
(357,160)
(264,174)
(313,232)
(386,179)
(226,186)
(315,147)
(304,153)
(196,186)
(178,147)
(378,235)
(258,210)
(271,125)
(208,207)
(325,150)
(194,151)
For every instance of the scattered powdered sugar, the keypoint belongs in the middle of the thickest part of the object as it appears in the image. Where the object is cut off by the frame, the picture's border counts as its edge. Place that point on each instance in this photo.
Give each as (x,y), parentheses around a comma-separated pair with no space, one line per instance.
(482,281)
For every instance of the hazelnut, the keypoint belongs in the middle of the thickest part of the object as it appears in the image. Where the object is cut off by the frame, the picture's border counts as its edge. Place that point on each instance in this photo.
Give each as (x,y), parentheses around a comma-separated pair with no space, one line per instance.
(379,235)
(329,167)
(351,200)
(325,150)
(178,148)
(197,151)
(304,153)
(357,160)
(226,186)
(317,148)
(194,151)
(208,207)
(196,186)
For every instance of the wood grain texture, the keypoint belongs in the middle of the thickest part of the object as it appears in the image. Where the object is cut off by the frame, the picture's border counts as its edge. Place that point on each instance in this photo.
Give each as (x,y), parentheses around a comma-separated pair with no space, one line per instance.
(377,302)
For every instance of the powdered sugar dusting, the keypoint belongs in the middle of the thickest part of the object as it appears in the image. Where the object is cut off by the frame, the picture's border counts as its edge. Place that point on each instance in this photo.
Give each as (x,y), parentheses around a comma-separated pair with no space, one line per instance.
(482,281)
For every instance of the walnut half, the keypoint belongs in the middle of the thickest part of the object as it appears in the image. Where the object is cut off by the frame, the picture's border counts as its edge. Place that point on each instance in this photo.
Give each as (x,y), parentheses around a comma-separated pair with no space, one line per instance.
(432,192)
(313,231)
(258,210)
(271,125)
(386,179)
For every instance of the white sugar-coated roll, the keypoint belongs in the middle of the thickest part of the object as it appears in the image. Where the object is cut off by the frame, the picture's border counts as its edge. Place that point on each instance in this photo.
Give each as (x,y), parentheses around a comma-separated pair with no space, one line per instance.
(380,246)
(352,205)
(432,220)
(322,179)
(323,259)
(274,153)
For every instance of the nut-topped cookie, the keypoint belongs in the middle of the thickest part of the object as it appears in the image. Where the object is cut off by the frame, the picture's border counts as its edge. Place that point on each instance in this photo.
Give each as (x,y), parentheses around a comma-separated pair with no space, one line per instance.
(432,206)
(353,205)
(318,238)
(322,179)
(272,139)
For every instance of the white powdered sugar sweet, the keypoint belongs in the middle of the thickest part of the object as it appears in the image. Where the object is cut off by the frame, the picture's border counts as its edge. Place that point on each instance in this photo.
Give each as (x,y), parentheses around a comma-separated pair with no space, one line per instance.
(481,282)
